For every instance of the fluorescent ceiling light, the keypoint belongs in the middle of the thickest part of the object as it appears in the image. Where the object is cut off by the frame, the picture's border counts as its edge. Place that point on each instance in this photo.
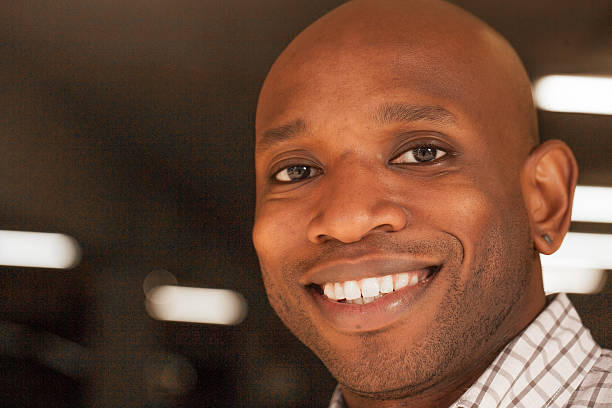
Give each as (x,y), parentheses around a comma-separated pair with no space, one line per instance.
(592,204)
(196,305)
(584,251)
(574,93)
(38,249)
(573,280)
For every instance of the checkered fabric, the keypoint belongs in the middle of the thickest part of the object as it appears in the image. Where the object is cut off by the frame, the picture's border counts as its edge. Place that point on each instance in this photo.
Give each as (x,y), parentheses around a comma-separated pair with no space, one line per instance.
(554,363)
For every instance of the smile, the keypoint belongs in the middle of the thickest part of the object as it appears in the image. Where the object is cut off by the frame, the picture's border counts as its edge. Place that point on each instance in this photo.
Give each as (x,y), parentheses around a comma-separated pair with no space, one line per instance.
(366,294)
(367,290)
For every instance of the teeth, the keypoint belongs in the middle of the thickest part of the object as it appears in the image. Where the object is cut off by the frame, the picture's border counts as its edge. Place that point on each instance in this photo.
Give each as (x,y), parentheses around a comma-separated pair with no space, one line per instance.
(328,290)
(386,284)
(414,279)
(351,290)
(369,287)
(339,291)
(401,281)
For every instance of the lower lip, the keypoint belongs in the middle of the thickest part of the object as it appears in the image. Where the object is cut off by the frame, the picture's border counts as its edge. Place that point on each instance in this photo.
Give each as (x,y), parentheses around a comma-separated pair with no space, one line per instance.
(375,315)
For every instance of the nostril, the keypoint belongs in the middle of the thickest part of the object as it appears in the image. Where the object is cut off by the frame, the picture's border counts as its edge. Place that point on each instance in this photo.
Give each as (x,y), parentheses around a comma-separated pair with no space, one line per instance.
(385,228)
(322,238)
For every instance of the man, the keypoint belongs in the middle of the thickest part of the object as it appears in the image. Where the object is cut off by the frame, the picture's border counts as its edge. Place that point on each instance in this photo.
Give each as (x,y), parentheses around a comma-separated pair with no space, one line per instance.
(403,199)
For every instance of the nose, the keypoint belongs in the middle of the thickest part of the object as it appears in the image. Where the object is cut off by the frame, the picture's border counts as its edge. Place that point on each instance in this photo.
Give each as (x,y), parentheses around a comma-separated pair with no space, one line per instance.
(355,204)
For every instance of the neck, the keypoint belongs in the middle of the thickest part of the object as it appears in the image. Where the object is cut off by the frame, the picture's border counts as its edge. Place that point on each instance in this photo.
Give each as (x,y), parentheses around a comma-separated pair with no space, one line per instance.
(442,395)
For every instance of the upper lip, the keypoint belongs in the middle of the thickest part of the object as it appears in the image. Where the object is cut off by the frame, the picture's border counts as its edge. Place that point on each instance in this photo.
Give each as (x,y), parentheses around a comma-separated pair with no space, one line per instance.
(364,267)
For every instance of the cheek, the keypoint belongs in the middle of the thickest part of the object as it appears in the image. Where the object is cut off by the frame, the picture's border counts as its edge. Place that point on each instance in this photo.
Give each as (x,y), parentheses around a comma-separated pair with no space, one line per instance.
(279,239)
(275,237)
(276,296)
(474,216)
(276,232)
(268,239)
(485,221)
(459,209)
(472,211)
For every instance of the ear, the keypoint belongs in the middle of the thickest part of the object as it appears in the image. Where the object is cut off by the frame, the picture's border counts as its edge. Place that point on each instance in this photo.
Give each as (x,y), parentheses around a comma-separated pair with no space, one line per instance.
(548,180)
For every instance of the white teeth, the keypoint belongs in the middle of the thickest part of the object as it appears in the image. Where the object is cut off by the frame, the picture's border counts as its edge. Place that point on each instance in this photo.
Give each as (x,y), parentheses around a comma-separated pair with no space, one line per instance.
(339,291)
(358,301)
(351,290)
(401,281)
(414,279)
(386,284)
(369,287)
(328,290)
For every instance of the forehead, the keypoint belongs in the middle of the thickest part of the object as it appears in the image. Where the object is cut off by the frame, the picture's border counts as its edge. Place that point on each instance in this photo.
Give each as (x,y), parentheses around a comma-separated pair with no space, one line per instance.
(361,78)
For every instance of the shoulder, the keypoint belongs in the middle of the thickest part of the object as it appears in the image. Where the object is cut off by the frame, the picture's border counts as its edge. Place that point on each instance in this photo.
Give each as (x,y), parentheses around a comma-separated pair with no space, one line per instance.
(596,389)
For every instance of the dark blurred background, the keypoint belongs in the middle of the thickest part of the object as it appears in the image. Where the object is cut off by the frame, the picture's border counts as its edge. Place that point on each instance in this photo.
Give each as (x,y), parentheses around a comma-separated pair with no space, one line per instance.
(129,125)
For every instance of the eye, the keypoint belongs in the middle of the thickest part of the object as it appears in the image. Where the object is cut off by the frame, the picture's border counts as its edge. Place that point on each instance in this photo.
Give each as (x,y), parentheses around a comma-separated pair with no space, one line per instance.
(296,173)
(420,154)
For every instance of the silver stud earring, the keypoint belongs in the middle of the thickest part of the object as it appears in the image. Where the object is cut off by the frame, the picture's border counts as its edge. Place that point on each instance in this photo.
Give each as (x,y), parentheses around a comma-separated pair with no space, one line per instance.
(547,238)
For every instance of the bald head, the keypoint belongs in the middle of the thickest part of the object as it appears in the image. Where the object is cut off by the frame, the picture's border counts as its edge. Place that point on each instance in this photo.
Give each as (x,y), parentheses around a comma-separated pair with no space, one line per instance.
(430,46)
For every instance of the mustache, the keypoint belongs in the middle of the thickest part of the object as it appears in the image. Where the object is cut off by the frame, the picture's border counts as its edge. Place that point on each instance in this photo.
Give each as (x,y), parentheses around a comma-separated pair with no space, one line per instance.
(379,244)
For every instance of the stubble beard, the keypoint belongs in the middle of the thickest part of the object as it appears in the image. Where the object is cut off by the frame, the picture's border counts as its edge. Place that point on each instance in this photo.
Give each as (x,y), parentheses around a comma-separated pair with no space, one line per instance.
(467,329)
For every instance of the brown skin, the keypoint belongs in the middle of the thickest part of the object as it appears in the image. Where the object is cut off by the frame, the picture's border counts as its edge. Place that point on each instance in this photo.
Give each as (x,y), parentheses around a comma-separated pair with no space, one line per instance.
(482,208)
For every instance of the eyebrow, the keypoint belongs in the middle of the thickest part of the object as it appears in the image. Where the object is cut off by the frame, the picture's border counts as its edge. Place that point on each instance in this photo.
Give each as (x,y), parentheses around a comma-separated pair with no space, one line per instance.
(385,114)
(279,134)
(401,112)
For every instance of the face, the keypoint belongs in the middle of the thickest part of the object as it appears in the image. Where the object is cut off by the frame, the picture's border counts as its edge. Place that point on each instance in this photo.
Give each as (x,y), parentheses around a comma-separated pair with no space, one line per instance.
(390,225)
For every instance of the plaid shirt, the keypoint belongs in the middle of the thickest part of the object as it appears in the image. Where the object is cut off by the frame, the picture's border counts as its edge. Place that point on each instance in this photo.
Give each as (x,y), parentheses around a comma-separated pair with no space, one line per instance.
(554,363)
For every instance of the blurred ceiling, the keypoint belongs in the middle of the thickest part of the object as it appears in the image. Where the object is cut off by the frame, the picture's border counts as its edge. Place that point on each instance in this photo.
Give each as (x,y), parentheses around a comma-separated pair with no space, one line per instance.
(129,125)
